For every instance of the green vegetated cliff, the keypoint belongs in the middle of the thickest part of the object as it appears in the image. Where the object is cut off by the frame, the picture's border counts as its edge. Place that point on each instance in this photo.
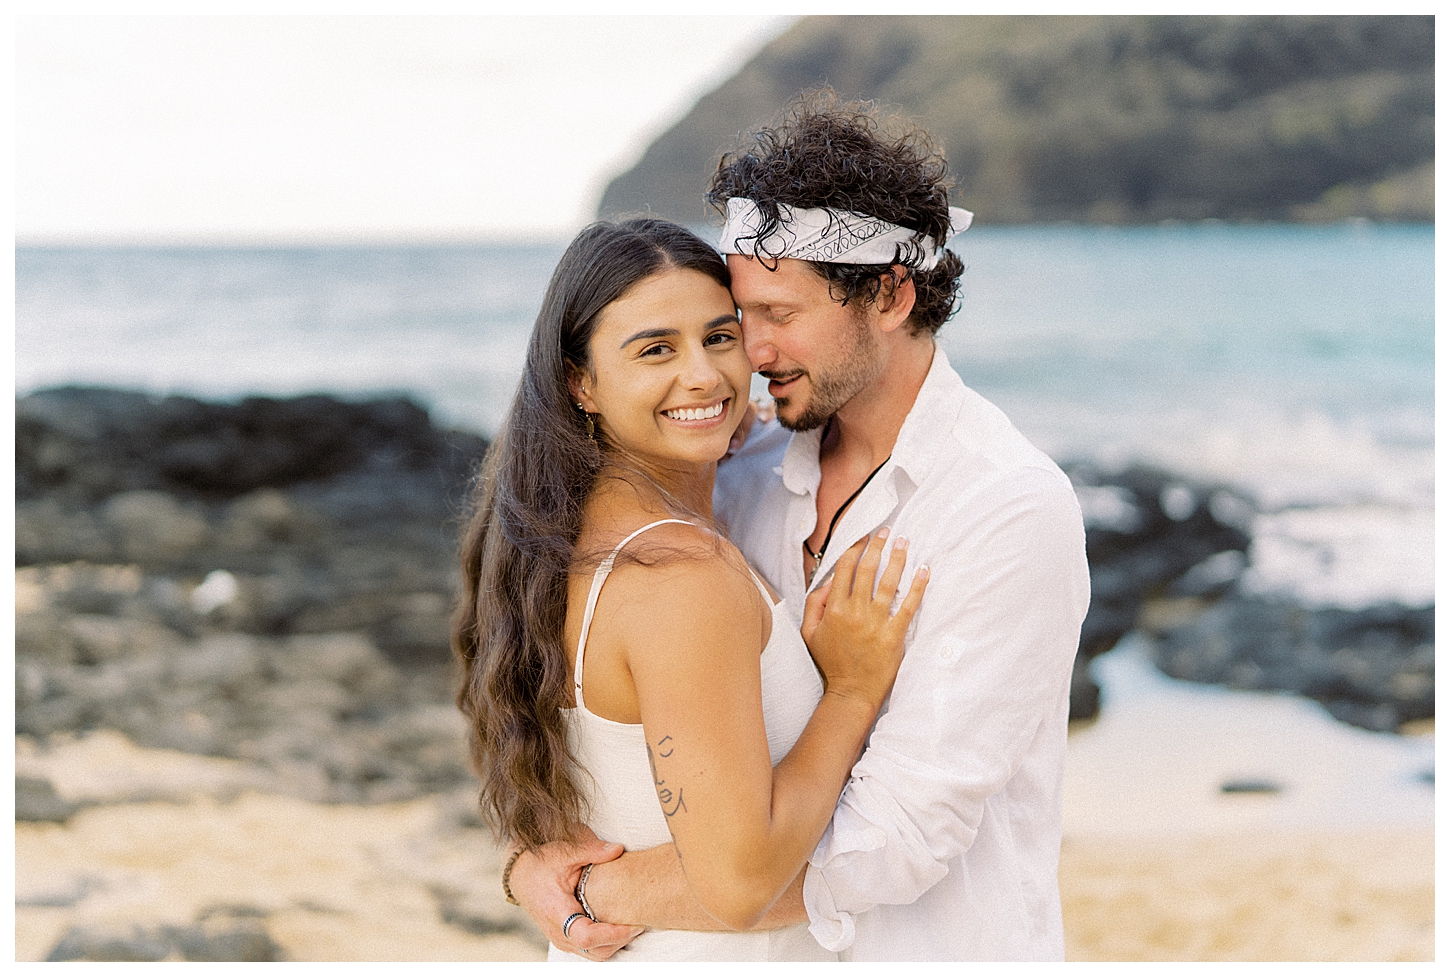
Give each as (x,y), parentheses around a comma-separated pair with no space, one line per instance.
(1111,119)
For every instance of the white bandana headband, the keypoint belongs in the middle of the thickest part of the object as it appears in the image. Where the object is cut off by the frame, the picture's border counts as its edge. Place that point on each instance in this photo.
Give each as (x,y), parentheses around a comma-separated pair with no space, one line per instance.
(837,236)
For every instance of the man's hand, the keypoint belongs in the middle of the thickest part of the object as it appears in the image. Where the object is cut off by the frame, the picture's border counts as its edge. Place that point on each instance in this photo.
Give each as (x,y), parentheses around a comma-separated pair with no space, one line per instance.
(543,881)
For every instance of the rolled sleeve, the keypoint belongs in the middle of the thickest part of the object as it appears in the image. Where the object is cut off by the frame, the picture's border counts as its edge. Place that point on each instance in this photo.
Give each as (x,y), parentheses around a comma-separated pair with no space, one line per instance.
(840,879)
(989,663)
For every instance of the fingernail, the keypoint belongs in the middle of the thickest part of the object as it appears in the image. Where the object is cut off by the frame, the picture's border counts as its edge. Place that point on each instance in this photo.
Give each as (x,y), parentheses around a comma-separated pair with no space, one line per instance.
(923,571)
(901,542)
(883,532)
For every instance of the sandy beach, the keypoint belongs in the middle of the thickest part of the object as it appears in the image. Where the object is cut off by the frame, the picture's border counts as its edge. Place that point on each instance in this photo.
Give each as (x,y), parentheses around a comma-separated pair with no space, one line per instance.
(247,874)
(384,883)
(1332,857)
(1162,866)
(1260,896)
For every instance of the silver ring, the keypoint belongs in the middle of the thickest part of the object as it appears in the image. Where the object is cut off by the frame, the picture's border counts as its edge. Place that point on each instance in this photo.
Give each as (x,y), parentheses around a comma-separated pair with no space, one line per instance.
(573,918)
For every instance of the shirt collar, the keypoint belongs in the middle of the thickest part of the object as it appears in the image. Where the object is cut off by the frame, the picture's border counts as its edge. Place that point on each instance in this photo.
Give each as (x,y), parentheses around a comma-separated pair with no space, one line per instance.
(918,443)
(938,403)
(801,468)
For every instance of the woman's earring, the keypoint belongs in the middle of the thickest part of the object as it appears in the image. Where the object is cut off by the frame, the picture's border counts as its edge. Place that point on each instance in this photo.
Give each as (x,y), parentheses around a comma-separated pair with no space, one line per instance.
(588,419)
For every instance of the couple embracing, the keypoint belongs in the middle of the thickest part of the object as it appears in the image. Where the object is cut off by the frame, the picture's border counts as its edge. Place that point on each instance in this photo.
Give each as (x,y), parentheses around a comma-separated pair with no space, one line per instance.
(722,709)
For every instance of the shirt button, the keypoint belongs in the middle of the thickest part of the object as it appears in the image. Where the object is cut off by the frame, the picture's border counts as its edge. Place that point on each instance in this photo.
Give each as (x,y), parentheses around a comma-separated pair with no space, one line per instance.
(945,652)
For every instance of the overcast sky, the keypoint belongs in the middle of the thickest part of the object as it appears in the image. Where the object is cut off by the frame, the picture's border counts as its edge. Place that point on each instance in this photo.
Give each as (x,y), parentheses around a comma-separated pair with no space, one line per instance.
(257,128)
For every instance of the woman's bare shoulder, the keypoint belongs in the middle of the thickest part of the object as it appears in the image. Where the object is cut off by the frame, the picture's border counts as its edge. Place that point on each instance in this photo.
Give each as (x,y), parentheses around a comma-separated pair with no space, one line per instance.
(688,550)
(686,576)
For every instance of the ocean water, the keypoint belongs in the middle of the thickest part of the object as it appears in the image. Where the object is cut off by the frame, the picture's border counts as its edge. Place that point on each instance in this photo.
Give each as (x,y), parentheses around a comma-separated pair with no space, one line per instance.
(1293,363)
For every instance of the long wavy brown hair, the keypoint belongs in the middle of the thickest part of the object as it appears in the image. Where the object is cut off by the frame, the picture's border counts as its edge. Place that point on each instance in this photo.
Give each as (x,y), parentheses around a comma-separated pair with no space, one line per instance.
(519,546)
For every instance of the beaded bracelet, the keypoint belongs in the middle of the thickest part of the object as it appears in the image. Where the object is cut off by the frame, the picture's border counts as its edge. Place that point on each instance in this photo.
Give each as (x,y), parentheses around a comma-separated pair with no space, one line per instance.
(579,892)
(508,867)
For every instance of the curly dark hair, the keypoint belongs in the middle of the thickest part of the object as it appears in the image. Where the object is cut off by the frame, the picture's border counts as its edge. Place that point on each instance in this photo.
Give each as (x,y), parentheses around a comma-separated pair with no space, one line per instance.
(519,546)
(847,155)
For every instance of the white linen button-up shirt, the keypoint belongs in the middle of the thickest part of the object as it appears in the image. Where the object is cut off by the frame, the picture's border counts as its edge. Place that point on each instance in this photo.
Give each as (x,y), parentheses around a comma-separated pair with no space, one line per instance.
(945,843)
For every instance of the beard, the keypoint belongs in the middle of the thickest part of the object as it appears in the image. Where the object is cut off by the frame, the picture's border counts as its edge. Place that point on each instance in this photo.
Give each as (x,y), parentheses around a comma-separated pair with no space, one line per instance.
(831,386)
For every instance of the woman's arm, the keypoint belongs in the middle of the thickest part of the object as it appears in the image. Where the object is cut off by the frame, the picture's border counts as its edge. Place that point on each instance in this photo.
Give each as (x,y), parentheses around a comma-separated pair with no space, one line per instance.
(649,888)
(742,830)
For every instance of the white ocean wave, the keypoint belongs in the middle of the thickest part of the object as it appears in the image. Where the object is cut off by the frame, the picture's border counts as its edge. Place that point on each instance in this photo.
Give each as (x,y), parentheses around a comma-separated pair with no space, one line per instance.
(1280,457)
(1345,556)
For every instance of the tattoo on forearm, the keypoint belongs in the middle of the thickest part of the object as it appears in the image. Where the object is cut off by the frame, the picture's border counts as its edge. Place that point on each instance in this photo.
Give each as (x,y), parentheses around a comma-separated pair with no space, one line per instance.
(672,801)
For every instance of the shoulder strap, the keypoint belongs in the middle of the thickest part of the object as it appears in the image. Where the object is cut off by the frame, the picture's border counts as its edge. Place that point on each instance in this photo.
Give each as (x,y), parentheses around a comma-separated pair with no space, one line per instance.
(599,575)
(760,585)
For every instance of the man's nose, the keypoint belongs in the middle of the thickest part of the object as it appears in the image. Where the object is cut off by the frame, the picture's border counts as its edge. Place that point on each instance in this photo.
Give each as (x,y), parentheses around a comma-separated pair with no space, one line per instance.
(758,346)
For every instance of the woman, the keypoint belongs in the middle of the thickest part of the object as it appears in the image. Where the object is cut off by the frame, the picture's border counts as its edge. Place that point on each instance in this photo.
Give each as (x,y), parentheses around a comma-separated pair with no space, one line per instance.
(696,715)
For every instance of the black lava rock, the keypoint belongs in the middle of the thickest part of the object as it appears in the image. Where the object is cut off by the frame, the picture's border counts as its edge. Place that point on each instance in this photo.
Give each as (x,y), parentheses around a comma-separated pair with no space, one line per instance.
(227,935)
(89,443)
(36,800)
(1373,668)
(1148,532)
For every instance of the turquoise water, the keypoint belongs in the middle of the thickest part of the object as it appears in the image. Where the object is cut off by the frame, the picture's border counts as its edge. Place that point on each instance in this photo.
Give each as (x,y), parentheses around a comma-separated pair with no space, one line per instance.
(1339,319)
(1294,361)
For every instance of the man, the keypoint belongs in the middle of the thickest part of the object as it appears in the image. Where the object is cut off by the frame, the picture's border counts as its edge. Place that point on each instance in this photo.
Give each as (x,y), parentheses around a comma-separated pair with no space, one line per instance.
(945,842)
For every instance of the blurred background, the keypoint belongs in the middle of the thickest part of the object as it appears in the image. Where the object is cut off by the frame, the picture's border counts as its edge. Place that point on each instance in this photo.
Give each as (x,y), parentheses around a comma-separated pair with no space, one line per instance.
(273,281)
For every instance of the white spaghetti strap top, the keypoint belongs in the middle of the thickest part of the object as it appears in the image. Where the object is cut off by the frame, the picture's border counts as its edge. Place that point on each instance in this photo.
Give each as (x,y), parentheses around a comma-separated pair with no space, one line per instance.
(619,788)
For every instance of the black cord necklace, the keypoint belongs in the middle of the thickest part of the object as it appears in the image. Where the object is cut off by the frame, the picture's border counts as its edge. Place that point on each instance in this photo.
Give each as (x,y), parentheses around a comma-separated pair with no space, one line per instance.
(818,554)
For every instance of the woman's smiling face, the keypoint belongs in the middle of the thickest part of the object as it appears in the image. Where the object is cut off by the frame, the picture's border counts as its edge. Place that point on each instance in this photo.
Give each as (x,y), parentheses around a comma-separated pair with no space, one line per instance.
(668,376)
